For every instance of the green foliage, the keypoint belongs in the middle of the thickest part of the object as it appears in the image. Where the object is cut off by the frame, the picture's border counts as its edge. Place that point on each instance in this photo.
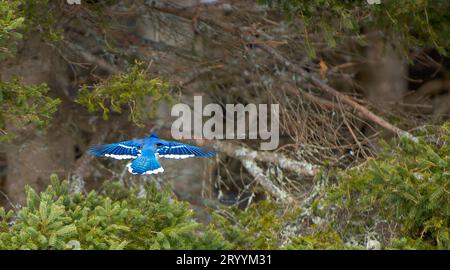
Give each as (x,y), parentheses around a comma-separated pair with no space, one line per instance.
(401,199)
(269,225)
(118,219)
(20,104)
(10,21)
(133,90)
(23,105)
(19,17)
(408,185)
(258,227)
(326,238)
(419,23)
(39,18)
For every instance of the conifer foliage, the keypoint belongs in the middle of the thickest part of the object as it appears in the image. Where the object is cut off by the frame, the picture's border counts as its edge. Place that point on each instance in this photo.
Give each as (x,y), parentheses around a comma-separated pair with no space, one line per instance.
(117,219)
(399,200)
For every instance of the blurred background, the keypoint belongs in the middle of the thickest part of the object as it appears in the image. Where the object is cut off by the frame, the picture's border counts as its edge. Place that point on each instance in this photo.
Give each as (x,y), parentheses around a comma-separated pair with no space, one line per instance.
(345,73)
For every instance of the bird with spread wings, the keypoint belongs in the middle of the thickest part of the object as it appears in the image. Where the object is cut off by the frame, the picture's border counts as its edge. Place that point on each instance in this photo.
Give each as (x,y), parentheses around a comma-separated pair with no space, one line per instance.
(146,152)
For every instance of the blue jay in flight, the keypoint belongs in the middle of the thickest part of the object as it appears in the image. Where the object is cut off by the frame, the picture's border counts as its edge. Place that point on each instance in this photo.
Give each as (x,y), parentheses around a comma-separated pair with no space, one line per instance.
(145,153)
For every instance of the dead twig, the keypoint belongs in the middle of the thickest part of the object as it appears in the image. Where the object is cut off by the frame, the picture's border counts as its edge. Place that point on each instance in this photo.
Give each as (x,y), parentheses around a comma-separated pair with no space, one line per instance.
(241,152)
(259,176)
(90,58)
(249,37)
(363,111)
(248,158)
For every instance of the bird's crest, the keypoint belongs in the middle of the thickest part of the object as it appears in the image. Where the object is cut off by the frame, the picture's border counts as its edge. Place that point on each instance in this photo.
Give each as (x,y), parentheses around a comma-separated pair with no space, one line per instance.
(153,135)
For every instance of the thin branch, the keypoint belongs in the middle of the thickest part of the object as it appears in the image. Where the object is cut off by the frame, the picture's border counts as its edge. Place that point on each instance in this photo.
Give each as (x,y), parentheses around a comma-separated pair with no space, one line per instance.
(248,158)
(428,89)
(363,111)
(247,36)
(80,168)
(259,176)
(326,104)
(93,59)
(241,152)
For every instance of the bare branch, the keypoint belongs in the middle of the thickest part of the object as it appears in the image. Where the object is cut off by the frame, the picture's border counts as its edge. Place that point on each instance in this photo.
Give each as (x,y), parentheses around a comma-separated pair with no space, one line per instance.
(241,152)
(364,112)
(93,59)
(248,158)
(251,166)
(246,35)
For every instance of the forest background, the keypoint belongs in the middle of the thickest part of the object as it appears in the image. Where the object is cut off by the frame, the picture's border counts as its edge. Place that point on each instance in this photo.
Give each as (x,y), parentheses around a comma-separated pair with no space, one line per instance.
(363,88)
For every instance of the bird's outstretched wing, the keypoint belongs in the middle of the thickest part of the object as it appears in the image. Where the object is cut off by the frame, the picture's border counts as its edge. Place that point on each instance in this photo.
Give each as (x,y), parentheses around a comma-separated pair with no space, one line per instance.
(120,150)
(167,149)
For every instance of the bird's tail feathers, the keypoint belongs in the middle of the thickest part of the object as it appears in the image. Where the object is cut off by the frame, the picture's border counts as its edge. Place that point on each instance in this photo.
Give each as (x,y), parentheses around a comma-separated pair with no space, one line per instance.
(145,165)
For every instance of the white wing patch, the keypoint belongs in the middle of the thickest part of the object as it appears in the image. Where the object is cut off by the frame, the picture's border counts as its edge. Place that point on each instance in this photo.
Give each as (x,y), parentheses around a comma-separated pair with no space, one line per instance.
(159,170)
(126,146)
(124,156)
(174,156)
(177,156)
(119,156)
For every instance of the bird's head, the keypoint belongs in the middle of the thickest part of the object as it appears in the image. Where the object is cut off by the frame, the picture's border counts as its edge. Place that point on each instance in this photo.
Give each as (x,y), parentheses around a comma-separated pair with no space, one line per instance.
(153,135)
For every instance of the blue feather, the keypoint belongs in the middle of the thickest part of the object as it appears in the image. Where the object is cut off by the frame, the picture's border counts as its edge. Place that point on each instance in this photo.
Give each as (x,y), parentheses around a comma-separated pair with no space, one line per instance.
(180,151)
(121,150)
(145,164)
(145,151)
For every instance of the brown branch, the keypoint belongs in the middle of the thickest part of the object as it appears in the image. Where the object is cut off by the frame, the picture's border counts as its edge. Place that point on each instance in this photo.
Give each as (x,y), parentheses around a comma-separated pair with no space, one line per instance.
(80,170)
(428,89)
(246,35)
(93,59)
(197,73)
(327,104)
(363,111)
